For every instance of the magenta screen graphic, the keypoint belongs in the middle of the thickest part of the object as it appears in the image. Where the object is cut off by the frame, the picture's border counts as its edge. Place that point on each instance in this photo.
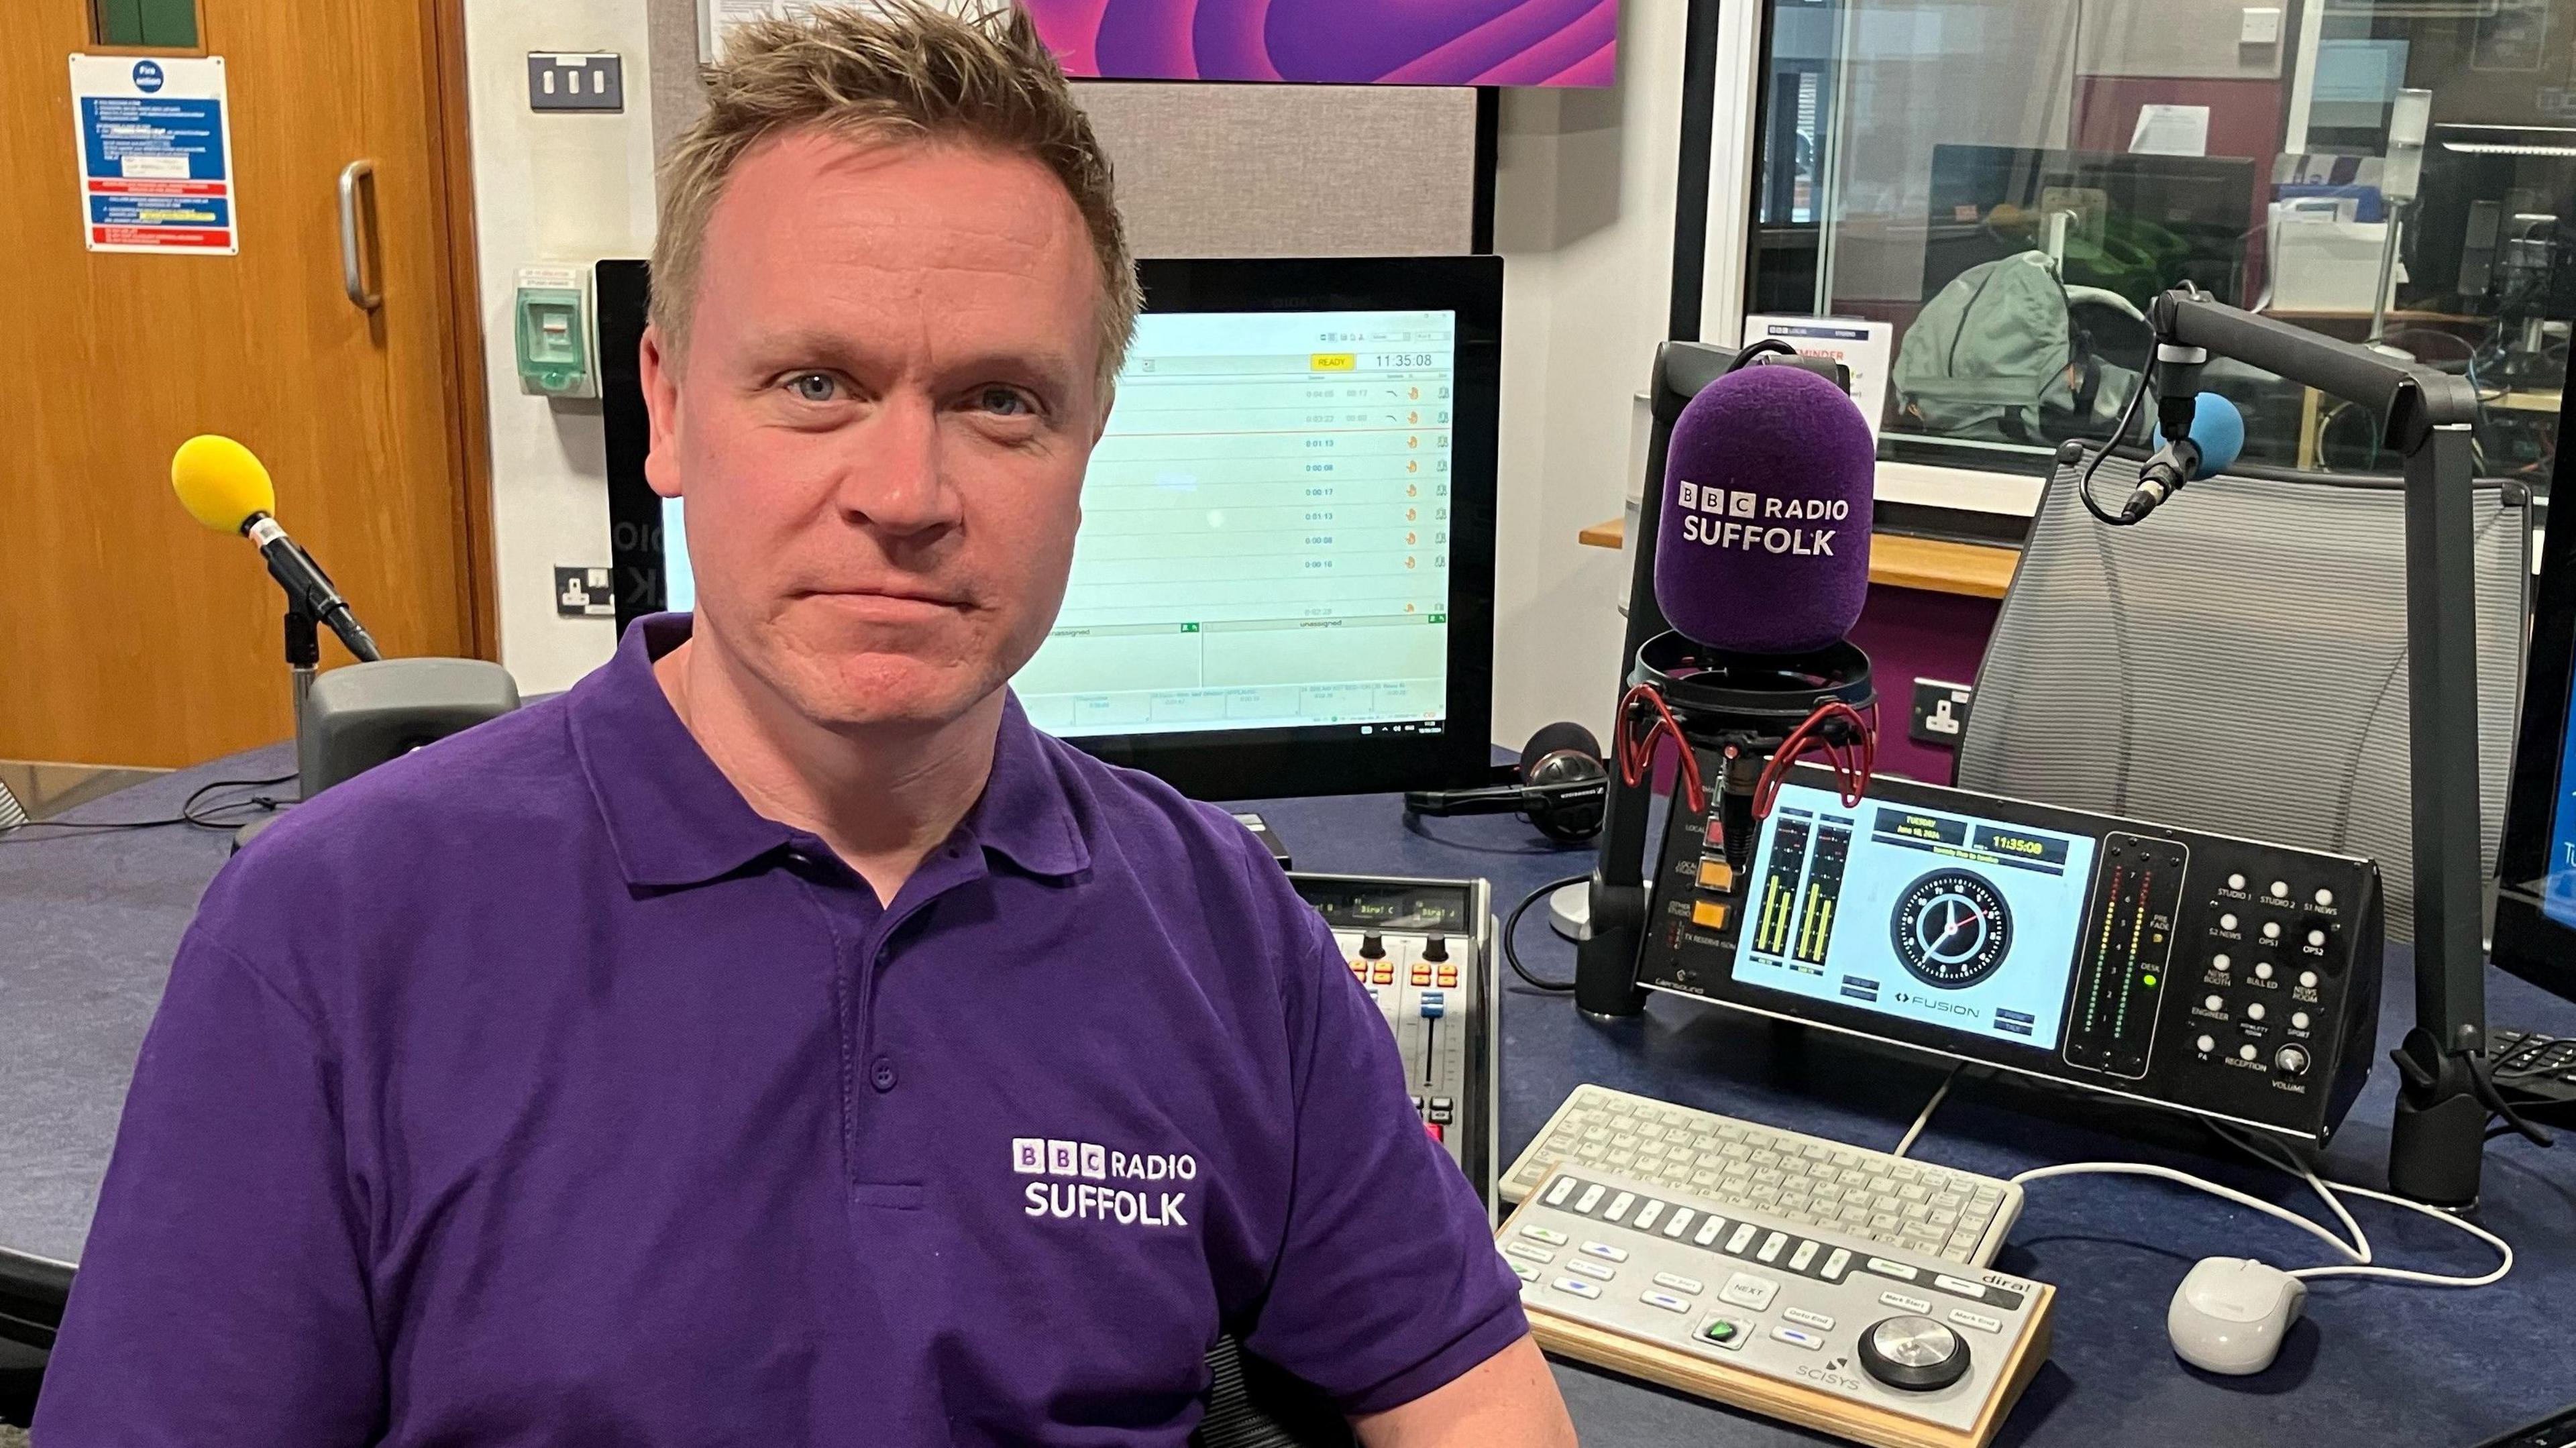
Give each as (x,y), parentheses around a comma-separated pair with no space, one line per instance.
(1383,42)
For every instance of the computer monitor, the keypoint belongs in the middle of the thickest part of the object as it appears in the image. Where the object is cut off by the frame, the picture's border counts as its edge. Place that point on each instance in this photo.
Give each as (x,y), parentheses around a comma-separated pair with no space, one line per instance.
(1284,582)
(2535,920)
(2142,222)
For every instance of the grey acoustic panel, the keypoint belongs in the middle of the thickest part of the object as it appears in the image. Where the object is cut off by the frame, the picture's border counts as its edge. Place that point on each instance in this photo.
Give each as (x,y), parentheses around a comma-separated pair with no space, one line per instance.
(1290,170)
(2237,664)
(1231,170)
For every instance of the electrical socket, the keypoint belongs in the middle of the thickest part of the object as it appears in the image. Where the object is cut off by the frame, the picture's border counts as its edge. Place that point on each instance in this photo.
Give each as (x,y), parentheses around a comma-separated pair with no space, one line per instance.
(576,81)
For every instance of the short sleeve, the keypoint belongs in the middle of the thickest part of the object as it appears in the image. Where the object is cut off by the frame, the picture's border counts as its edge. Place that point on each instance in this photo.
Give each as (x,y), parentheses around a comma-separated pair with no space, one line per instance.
(1387,1284)
(221,1297)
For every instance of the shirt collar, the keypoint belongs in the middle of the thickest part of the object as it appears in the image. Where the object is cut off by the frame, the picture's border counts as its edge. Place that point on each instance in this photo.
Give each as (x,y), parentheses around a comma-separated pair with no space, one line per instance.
(674,819)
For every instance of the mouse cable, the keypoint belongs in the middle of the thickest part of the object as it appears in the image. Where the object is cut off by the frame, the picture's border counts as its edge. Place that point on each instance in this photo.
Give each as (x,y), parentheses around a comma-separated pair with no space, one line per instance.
(2330,1193)
(1512,925)
(2357,1250)
(1923,1118)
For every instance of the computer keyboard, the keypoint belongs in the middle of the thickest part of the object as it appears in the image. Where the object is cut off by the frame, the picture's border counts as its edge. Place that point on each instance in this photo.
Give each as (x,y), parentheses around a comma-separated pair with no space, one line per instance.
(1938,1211)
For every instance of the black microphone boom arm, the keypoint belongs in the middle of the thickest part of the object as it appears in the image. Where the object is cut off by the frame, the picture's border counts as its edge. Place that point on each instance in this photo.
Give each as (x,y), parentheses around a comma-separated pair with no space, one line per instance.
(2438,1139)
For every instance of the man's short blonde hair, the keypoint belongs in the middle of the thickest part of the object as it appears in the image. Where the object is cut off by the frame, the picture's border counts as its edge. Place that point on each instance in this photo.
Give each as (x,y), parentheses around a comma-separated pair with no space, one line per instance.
(901,70)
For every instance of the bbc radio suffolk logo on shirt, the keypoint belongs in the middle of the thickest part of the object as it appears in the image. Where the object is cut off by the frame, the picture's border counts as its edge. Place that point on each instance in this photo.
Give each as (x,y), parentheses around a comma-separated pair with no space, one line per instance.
(1091,1183)
(1737,518)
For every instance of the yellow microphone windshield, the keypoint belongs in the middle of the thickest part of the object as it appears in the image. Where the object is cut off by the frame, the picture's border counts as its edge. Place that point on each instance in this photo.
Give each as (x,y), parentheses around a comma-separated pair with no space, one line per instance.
(220,482)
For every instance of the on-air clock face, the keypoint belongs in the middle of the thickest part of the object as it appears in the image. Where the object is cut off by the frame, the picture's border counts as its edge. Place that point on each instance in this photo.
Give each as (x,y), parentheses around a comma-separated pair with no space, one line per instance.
(1951,928)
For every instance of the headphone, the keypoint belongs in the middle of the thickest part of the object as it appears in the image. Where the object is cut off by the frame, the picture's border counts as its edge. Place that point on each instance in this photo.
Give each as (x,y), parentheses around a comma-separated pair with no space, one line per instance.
(1560,784)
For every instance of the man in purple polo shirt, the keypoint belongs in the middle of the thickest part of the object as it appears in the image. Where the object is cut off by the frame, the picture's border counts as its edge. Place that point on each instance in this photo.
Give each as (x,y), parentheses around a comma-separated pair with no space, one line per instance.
(776,1040)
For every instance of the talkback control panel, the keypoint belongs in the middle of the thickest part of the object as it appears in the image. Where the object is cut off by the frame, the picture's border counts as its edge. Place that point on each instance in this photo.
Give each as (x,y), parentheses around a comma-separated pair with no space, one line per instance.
(1859,1339)
(2223,976)
(1423,950)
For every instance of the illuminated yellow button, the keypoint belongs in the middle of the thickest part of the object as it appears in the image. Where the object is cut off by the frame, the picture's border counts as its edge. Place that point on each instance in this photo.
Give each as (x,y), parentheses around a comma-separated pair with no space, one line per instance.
(1335,361)
(1386,975)
(1716,875)
(1710,914)
(1449,976)
(1422,975)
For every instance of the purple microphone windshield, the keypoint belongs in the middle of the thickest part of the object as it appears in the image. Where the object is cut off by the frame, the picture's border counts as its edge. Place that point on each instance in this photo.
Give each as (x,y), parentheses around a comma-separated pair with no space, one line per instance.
(1764,547)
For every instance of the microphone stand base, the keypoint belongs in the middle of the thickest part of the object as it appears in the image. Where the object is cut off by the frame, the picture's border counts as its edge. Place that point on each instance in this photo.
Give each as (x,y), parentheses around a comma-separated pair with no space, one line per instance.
(2436,1149)
(1569,911)
(249,832)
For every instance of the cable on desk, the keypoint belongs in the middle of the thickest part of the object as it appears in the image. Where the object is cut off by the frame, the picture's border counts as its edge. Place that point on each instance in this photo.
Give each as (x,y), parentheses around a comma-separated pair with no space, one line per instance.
(1923,1118)
(2357,1250)
(1512,925)
(2329,1193)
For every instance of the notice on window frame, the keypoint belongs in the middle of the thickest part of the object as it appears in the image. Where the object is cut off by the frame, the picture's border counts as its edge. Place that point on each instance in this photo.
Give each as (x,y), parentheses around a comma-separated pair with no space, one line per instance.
(155,141)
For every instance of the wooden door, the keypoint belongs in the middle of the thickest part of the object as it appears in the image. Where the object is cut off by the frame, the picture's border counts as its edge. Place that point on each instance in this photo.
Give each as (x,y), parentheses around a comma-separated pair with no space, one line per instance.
(129,634)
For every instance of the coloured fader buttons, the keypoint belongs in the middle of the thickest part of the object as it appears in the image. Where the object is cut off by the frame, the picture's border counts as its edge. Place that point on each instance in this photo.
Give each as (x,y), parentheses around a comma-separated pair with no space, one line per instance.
(1716,875)
(1710,914)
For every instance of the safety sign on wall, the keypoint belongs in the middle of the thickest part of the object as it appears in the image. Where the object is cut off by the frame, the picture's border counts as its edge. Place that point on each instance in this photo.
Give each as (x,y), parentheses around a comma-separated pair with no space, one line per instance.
(156,154)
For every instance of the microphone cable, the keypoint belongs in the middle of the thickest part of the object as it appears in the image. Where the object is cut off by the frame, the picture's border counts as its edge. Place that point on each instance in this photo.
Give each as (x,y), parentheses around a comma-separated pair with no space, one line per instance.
(1511,929)
(2119,431)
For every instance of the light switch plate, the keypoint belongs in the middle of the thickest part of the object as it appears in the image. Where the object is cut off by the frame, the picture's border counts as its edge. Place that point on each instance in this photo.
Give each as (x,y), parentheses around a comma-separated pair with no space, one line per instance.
(2261,26)
(584,593)
(576,81)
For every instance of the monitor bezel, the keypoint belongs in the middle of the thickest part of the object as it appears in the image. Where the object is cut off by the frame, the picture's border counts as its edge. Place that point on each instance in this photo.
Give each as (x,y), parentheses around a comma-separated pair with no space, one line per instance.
(2525,941)
(1232,764)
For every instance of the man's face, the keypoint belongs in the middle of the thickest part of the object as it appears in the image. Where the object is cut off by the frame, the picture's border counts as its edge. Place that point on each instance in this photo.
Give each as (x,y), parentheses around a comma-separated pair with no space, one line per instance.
(881,421)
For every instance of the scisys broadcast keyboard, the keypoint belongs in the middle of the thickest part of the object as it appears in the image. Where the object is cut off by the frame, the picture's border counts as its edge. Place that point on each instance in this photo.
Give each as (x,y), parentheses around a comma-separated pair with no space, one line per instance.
(1832,1331)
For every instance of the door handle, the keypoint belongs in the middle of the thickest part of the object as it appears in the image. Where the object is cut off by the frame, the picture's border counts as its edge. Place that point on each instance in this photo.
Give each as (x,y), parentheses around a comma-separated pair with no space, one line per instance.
(352,258)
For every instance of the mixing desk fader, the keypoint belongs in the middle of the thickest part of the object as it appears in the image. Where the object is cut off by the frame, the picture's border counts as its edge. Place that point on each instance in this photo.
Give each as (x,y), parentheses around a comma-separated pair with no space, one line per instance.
(1424,951)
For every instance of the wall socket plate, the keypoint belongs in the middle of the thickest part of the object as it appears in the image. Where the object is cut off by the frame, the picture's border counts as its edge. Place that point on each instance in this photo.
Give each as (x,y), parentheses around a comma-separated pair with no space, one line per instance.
(562,80)
(1940,713)
(585,593)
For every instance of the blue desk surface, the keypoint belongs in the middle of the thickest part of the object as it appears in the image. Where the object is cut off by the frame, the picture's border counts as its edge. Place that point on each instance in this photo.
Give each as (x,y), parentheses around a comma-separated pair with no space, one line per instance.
(87,926)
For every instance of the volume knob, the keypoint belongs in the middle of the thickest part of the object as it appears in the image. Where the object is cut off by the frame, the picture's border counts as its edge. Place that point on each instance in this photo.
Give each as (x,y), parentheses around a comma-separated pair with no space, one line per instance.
(1372,946)
(1436,948)
(2291,1060)
(1914,1353)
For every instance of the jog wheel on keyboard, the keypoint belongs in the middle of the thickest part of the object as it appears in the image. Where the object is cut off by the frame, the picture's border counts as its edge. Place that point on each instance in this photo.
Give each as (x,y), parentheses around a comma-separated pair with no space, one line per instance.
(1914,1353)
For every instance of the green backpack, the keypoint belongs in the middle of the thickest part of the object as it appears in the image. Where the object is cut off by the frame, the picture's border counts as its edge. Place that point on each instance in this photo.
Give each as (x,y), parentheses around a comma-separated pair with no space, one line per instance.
(1989,351)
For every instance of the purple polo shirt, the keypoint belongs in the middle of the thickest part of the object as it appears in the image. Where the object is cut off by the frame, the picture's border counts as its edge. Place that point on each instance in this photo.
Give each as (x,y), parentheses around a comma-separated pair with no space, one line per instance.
(534,1089)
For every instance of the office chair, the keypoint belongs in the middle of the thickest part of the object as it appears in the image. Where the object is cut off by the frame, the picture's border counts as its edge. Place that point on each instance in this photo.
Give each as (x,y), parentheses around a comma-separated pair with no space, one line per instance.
(2237,663)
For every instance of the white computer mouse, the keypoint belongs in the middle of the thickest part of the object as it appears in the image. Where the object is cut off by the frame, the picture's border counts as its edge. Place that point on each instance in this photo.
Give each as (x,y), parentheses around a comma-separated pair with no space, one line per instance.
(2230,1314)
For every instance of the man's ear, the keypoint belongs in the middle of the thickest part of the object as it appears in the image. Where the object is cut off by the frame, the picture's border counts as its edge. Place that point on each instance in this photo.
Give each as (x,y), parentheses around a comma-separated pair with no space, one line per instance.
(661,377)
